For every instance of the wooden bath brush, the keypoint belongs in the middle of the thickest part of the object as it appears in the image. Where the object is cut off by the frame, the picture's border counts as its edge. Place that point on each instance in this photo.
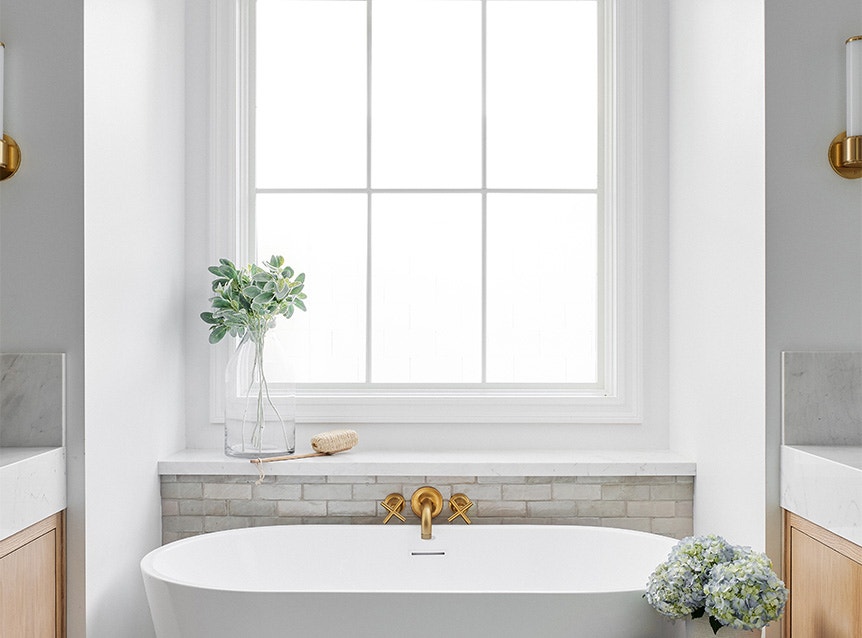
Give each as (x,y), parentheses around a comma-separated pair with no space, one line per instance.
(323,444)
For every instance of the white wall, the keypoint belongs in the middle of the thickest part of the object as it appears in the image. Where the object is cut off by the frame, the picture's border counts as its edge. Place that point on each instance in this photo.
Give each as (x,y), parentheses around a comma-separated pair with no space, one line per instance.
(813,217)
(42,224)
(717,259)
(134,296)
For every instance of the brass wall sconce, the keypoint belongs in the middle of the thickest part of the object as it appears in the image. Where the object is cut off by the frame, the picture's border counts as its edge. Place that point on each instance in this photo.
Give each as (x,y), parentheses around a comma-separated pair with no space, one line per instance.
(10,153)
(845,152)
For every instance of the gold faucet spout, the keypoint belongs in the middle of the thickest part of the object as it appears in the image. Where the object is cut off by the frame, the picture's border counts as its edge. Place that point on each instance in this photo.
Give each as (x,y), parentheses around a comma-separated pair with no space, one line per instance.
(426,518)
(426,503)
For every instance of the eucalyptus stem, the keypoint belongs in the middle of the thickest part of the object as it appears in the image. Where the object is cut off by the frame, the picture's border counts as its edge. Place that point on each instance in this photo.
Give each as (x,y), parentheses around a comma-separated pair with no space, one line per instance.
(247,394)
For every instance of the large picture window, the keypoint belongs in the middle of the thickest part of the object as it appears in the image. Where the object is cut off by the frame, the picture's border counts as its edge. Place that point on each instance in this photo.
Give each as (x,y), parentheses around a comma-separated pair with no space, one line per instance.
(443,172)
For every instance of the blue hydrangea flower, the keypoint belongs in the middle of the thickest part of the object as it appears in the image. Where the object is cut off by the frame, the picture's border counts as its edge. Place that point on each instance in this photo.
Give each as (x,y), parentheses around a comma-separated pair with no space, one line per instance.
(745,593)
(675,588)
(705,574)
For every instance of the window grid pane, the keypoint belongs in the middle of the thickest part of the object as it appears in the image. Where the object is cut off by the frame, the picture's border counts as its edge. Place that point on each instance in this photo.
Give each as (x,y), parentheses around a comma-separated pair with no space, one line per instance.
(321,235)
(579,370)
(427,283)
(426,103)
(313,50)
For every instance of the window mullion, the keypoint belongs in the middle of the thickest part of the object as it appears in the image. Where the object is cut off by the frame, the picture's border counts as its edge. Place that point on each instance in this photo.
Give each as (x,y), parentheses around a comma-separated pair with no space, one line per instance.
(484,197)
(368,253)
(246,249)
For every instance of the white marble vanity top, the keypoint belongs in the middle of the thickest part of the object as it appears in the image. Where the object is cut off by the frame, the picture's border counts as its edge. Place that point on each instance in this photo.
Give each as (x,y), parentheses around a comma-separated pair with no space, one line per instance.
(32,486)
(824,485)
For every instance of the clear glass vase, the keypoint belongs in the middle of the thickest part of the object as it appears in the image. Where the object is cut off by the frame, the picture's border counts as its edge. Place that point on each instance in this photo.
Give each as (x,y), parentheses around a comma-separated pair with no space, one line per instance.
(260,399)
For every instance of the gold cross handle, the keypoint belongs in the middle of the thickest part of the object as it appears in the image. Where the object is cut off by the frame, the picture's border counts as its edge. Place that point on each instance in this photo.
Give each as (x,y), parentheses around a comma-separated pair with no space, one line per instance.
(459,504)
(393,504)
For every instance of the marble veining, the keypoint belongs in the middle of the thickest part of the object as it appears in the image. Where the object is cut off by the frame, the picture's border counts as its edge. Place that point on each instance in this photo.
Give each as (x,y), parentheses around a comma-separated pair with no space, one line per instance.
(32,400)
(822,398)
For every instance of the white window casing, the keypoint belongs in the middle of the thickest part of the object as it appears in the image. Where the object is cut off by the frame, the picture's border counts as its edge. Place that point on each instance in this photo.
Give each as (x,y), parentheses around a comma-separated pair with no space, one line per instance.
(615,398)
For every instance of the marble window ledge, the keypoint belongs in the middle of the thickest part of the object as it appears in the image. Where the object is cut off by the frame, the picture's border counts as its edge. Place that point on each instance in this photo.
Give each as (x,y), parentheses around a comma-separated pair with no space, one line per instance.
(456,463)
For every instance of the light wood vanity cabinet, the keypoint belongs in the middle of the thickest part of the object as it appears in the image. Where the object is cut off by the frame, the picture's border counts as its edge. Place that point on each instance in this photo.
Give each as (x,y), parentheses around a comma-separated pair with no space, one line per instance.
(824,574)
(32,581)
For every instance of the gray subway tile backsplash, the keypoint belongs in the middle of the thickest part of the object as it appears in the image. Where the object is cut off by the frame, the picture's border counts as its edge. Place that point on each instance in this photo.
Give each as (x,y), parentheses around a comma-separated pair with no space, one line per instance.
(659,504)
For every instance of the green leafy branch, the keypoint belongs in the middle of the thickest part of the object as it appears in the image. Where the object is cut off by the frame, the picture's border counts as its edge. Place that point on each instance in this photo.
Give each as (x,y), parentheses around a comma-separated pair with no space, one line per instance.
(250,299)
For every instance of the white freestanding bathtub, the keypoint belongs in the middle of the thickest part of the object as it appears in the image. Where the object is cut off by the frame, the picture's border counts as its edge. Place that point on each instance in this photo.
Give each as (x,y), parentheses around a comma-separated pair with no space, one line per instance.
(309,581)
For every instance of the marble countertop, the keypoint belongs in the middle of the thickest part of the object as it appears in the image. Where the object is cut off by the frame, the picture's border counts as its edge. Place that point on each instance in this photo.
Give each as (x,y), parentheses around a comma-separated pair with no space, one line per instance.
(32,486)
(358,462)
(823,484)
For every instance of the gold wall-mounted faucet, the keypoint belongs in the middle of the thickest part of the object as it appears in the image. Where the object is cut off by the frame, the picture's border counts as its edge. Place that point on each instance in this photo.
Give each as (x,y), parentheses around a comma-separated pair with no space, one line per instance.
(427,503)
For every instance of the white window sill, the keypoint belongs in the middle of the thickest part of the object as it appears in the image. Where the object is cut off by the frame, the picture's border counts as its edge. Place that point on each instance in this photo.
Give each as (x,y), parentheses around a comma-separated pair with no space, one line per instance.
(455,463)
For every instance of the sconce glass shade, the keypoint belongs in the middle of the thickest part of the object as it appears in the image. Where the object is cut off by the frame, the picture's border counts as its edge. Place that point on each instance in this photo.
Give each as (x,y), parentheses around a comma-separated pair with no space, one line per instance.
(854,86)
(2,83)
(10,154)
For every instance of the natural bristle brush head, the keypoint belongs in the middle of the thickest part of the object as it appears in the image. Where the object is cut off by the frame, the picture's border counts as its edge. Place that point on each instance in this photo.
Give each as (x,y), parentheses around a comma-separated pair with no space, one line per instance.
(334,441)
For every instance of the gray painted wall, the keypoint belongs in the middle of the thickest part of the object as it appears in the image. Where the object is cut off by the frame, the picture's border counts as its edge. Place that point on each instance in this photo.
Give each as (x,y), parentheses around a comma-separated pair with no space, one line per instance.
(813,217)
(42,224)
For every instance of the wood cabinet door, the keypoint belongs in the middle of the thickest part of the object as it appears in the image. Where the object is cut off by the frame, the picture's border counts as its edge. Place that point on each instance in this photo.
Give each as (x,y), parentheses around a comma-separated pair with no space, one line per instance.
(32,581)
(825,583)
(27,589)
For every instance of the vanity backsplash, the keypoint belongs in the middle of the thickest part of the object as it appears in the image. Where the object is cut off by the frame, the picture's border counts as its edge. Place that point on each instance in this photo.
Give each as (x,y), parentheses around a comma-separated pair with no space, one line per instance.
(32,400)
(822,398)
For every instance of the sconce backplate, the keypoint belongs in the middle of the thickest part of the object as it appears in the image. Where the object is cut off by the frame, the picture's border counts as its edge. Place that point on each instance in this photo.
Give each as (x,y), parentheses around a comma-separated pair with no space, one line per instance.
(10,157)
(836,159)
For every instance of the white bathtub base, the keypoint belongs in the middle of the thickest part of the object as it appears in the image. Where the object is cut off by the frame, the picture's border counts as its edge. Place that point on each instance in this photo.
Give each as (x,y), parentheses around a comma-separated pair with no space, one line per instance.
(547,558)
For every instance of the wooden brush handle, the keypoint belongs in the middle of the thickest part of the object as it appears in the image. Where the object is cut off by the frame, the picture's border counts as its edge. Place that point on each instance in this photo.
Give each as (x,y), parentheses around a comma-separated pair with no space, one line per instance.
(290,457)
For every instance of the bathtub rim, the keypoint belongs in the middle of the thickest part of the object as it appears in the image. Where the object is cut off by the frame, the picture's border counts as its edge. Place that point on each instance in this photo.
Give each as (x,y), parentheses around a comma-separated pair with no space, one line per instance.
(148,569)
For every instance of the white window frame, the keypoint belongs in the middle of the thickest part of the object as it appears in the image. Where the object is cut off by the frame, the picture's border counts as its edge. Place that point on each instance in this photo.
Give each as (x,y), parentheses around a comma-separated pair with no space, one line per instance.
(616,398)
